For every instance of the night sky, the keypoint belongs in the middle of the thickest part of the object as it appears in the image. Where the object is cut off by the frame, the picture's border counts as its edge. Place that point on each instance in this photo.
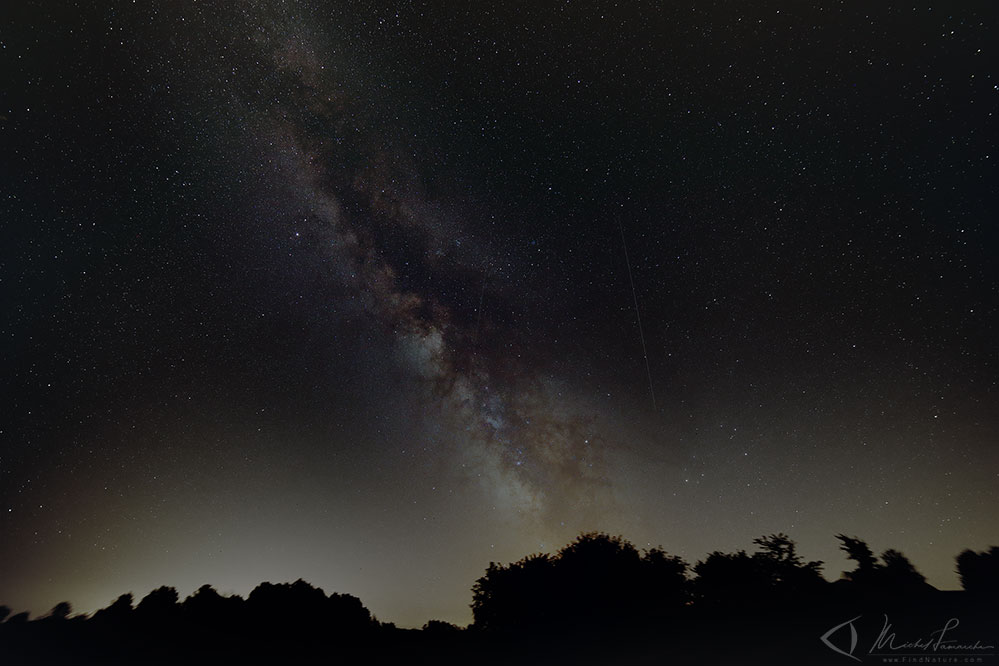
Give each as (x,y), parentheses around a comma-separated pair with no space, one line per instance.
(373,294)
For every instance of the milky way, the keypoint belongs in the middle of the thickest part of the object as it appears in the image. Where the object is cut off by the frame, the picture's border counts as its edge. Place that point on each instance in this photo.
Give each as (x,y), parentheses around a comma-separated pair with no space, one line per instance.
(517,430)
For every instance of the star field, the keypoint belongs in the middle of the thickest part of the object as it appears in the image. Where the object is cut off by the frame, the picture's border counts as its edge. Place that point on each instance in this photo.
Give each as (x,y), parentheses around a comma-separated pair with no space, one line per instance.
(340,290)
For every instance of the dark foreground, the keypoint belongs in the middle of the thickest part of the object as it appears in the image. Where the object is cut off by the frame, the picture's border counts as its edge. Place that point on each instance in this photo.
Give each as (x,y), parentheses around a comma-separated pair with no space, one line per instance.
(599,600)
(943,627)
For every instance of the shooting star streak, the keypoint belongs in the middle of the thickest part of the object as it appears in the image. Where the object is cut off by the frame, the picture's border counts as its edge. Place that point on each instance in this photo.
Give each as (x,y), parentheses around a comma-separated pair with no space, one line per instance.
(478,312)
(638,315)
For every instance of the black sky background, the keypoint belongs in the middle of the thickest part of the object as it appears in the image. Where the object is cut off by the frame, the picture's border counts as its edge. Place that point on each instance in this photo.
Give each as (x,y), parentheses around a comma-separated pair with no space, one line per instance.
(339,291)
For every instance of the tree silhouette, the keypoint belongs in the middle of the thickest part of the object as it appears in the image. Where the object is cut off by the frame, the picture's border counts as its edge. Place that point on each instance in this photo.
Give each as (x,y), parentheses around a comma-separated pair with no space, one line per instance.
(18,618)
(665,584)
(783,567)
(118,612)
(161,600)
(209,610)
(598,580)
(597,600)
(287,604)
(774,574)
(60,611)
(779,550)
(440,628)
(289,623)
(517,596)
(858,551)
(346,612)
(159,607)
(894,576)
(898,573)
(729,580)
(979,572)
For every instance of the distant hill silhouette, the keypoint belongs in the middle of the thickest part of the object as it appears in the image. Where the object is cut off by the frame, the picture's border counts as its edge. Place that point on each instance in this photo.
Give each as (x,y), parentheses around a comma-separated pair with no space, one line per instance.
(597,600)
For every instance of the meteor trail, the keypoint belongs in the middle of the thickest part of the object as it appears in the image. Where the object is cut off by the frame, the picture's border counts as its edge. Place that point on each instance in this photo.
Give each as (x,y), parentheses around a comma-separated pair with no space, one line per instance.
(638,315)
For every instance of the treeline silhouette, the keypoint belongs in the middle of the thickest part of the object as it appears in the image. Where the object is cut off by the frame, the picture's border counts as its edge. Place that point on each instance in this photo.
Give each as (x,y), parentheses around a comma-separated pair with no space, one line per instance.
(597,600)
